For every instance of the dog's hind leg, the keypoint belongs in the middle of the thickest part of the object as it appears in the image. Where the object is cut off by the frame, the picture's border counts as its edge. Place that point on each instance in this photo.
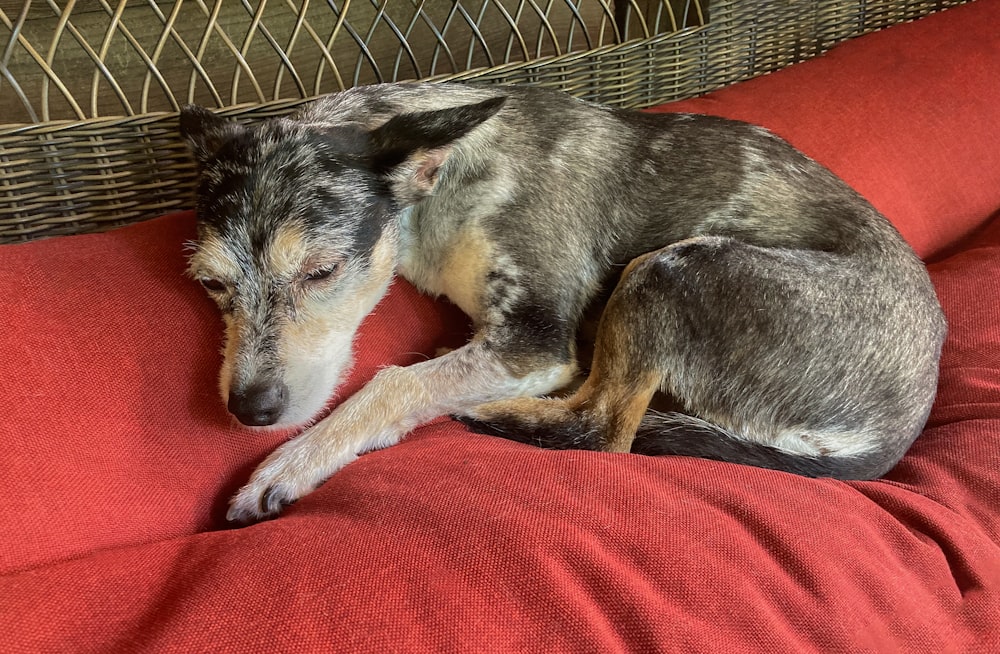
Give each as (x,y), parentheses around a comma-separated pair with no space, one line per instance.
(771,368)
(602,415)
(605,412)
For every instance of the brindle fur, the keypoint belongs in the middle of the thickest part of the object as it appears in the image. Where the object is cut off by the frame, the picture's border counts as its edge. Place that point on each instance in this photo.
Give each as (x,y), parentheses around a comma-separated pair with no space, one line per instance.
(787,319)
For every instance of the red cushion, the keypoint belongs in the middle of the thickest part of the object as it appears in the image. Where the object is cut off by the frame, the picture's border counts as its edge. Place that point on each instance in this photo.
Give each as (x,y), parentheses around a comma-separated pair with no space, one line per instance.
(119,457)
(452,537)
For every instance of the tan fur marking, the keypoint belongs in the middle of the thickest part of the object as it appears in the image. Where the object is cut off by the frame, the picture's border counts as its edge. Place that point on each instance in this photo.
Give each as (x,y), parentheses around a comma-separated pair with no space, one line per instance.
(616,409)
(616,403)
(288,250)
(212,259)
(383,260)
(464,271)
(529,410)
(618,390)
(626,406)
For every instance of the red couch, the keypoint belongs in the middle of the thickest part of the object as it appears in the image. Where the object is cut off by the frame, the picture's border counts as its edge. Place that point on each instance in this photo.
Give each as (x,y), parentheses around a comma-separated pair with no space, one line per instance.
(118,457)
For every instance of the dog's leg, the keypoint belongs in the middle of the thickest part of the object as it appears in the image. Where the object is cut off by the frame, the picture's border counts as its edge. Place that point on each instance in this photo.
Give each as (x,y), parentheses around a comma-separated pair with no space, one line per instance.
(605,412)
(397,400)
(707,320)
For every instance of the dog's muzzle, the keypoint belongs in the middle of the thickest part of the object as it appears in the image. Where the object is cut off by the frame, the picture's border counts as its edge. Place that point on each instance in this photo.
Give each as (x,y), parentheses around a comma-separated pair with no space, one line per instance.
(259,404)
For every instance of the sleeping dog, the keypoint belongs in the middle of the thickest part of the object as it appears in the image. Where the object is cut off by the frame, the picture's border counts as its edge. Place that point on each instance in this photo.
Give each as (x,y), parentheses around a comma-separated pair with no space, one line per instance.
(785,320)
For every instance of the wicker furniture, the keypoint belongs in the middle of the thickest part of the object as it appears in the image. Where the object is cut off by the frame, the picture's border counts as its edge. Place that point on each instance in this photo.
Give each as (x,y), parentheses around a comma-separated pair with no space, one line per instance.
(89,91)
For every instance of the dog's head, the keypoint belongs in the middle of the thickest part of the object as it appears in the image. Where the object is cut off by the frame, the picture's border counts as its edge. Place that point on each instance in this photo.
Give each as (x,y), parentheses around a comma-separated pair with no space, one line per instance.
(298,239)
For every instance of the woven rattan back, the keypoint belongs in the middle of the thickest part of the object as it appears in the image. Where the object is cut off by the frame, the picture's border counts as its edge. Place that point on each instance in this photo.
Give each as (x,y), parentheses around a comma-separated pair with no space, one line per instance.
(89,90)
(91,59)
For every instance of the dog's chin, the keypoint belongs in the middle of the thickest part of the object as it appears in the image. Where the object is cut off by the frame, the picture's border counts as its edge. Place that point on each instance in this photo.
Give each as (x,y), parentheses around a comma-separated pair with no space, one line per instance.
(310,401)
(300,418)
(289,428)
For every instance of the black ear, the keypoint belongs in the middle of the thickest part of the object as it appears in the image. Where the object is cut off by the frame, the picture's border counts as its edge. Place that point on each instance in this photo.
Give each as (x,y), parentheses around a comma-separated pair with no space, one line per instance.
(410,148)
(205,132)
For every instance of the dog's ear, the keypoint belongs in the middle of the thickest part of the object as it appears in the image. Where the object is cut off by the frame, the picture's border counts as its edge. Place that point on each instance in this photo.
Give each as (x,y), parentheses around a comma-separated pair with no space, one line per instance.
(410,149)
(205,132)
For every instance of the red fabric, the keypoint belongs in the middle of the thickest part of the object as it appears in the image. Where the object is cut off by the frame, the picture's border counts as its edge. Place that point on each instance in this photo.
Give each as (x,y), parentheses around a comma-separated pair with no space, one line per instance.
(118,458)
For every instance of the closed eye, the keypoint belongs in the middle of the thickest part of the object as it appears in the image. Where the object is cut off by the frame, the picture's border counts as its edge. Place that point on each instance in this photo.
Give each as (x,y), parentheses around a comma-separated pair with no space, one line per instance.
(213,285)
(321,273)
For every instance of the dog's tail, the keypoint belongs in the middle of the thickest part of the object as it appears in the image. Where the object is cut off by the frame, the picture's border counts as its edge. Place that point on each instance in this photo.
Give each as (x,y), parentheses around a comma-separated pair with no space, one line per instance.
(684,435)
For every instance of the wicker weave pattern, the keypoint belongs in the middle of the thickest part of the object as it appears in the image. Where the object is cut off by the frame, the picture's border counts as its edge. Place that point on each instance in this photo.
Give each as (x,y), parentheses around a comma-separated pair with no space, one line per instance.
(92,59)
(89,150)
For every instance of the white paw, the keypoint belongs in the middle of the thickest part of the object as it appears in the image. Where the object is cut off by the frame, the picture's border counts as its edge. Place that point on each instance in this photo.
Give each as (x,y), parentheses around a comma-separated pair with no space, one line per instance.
(291,472)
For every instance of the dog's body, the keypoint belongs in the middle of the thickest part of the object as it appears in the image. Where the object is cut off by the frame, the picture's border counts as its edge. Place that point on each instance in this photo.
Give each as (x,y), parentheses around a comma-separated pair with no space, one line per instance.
(785,317)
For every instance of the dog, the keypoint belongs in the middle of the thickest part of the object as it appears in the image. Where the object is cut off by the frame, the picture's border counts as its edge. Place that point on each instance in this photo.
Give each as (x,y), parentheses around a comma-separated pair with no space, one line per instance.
(785,320)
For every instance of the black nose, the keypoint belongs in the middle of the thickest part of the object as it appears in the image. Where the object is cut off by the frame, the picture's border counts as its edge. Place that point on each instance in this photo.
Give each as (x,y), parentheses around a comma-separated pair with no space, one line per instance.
(259,404)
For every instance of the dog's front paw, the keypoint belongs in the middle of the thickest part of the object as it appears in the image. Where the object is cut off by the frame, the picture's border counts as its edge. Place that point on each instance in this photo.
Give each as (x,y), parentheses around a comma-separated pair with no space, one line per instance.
(262,499)
(291,472)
